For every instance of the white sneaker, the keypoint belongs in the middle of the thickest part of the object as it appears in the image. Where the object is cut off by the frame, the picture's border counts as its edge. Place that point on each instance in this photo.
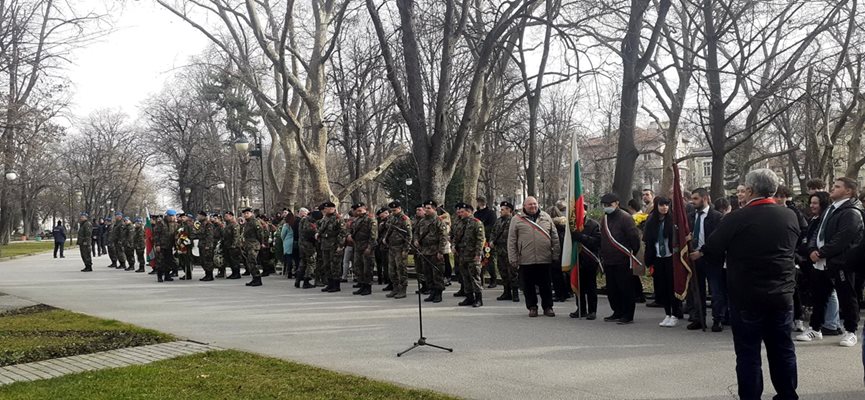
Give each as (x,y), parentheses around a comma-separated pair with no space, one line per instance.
(673,322)
(798,326)
(665,322)
(810,335)
(848,339)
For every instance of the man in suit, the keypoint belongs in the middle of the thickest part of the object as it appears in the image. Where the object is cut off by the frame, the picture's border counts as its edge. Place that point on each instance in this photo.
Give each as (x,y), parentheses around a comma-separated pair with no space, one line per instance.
(703,222)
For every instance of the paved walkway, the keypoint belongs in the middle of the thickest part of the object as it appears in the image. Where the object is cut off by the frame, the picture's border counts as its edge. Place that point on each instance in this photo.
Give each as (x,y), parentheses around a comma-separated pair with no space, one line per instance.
(107,359)
(499,353)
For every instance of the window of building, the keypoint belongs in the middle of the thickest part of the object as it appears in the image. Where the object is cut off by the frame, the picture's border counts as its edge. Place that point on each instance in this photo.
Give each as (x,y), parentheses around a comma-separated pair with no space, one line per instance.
(707,168)
(647,156)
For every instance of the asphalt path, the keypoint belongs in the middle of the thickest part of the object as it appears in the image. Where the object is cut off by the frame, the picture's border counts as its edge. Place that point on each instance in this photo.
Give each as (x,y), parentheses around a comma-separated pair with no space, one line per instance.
(499,353)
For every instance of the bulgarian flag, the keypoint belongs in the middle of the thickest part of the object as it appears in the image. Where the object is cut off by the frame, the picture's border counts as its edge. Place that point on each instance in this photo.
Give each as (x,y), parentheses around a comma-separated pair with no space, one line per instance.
(576,215)
(148,240)
(682,270)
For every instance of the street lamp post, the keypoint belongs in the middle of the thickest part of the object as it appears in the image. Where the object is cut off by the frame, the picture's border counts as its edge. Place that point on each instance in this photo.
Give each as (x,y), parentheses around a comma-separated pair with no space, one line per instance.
(242,146)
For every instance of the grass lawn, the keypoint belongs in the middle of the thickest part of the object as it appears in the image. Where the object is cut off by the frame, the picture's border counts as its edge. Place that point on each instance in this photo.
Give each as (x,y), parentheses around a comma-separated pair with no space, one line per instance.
(42,332)
(215,375)
(21,248)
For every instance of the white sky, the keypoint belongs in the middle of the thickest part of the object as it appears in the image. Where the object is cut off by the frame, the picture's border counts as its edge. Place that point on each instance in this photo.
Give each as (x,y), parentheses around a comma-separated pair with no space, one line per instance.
(129,64)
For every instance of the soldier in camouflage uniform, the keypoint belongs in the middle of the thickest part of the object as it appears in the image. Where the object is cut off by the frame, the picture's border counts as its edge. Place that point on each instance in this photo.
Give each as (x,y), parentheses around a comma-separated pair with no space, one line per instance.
(217,225)
(164,239)
(265,255)
(499,245)
(398,239)
(331,236)
(184,243)
(110,244)
(432,241)
(128,243)
(85,239)
(307,230)
(156,220)
(468,238)
(364,234)
(138,244)
(419,272)
(232,245)
(206,243)
(254,238)
(117,238)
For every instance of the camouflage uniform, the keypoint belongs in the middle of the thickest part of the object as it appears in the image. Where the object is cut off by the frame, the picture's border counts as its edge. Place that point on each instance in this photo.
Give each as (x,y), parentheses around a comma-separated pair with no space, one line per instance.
(138,245)
(419,271)
(117,238)
(84,241)
(331,236)
(468,238)
(307,228)
(432,242)
(206,243)
(499,241)
(232,248)
(110,245)
(254,236)
(183,242)
(165,241)
(129,244)
(364,233)
(397,253)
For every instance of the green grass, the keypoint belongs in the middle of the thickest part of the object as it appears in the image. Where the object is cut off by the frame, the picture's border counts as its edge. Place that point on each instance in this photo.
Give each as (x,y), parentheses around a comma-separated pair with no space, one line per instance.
(214,375)
(22,248)
(42,332)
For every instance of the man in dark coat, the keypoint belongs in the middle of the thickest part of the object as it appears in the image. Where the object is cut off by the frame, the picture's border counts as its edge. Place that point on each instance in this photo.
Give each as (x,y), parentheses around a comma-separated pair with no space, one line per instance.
(488,218)
(758,242)
(59,233)
(620,241)
(590,240)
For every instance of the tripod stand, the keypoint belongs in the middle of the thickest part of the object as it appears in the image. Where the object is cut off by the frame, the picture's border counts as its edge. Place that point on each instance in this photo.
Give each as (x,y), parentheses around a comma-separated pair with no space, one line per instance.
(421,339)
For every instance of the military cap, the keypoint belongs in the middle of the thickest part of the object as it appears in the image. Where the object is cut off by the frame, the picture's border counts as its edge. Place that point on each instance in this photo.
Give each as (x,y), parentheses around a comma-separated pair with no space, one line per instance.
(137,219)
(357,205)
(84,214)
(170,212)
(380,210)
(228,213)
(609,198)
(431,203)
(118,214)
(327,204)
(507,204)
(464,206)
(246,210)
(126,219)
(202,213)
(394,204)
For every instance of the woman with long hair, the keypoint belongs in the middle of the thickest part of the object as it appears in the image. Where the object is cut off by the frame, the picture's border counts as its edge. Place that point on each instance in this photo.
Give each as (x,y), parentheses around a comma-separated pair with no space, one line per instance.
(287,233)
(659,257)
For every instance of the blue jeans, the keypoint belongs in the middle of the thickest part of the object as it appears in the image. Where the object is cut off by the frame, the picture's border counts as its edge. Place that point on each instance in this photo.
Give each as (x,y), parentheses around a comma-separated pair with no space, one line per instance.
(750,330)
(832,320)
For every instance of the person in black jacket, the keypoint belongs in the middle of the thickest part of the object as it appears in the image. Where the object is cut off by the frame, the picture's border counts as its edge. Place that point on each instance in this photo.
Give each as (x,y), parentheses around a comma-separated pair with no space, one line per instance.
(758,242)
(703,223)
(658,236)
(59,233)
(838,235)
(620,240)
(590,239)
(488,219)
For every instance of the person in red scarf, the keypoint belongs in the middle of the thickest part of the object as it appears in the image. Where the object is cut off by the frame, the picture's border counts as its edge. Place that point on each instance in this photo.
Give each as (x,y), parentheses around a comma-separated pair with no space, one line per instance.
(758,243)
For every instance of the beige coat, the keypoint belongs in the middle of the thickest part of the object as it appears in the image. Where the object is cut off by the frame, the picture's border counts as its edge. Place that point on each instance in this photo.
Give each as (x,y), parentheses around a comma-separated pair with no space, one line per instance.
(528,245)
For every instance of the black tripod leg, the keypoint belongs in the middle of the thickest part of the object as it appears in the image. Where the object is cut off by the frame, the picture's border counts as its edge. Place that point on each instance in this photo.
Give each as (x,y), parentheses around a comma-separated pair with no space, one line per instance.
(441,348)
(408,350)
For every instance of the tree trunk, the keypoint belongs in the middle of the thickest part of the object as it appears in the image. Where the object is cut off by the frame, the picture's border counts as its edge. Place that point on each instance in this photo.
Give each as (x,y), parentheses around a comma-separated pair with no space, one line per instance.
(716,104)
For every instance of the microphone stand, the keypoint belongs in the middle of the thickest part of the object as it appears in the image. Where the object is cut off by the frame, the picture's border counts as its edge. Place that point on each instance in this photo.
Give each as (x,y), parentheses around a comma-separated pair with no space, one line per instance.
(421,338)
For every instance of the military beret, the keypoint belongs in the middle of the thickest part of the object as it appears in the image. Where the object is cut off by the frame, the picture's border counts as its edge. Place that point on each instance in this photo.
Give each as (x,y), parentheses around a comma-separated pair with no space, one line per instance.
(431,203)
(118,214)
(126,219)
(84,214)
(202,213)
(247,210)
(394,204)
(357,205)
(419,205)
(507,204)
(380,210)
(170,212)
(328,204)
(137,220)
(228,213)
(609,198)
(464,206)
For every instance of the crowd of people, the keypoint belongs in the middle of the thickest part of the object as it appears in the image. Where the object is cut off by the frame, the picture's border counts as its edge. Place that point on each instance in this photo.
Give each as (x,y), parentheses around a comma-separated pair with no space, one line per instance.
(760,260)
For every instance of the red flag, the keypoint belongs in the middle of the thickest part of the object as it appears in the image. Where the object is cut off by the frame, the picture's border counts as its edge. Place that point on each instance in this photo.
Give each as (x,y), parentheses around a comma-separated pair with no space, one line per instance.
(682,270)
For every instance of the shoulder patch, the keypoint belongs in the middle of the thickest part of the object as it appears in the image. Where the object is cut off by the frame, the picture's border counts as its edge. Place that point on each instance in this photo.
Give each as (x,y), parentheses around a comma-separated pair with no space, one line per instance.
(404,217)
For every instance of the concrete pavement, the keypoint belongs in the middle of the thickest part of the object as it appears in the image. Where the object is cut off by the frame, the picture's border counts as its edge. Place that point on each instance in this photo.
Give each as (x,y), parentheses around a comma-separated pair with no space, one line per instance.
(499,353)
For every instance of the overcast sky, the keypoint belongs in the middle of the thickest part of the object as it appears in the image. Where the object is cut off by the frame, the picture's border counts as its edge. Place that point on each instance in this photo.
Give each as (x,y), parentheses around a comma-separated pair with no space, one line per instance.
(132,62)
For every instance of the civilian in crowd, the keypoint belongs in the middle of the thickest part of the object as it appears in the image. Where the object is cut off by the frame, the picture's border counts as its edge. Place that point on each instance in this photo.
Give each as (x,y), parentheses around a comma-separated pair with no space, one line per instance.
(59,233)
(703,223)
(722,205)
(758,243)
(815,185)
(658,238)
(648,197)
(533,244)
(620,241)
(488,217)
(590,240)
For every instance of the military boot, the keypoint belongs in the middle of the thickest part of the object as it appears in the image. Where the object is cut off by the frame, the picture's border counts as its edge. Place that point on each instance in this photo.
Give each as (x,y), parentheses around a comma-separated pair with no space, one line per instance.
(516,295)
(152,272)
(431,296)
(360,288)
(87,269)
(438,296)
(400,294)
(256,281)
(387,288)
(506,295)
(168,278)
(306,284)
(235,273)
(469,300)
(221,273)
(131,267)
(158,276)
(297,282)
(328,286)
(335,287)
(479,301)
(208,276)
(460,293)
(424,289)
(140,268)
(366,290)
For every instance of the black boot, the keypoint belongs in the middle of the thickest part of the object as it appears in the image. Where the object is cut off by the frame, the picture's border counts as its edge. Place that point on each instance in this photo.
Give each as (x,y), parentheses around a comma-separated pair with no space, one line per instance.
(221,273)
(152,272)
(140,268)
(245,273)
(424,289)
(87,268)
(479,301)
(469,300)
(460,293)
(357,285)
(235,273)
(131,267)
(297,282)
(507,295)
(335,287)
(431,296)
(306,284)
(387,288)
(208,276)
(256,281)
(438,296)
(168,278)
(361,287)
(158,276)
(328,286)
(516,295)
(366,290)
